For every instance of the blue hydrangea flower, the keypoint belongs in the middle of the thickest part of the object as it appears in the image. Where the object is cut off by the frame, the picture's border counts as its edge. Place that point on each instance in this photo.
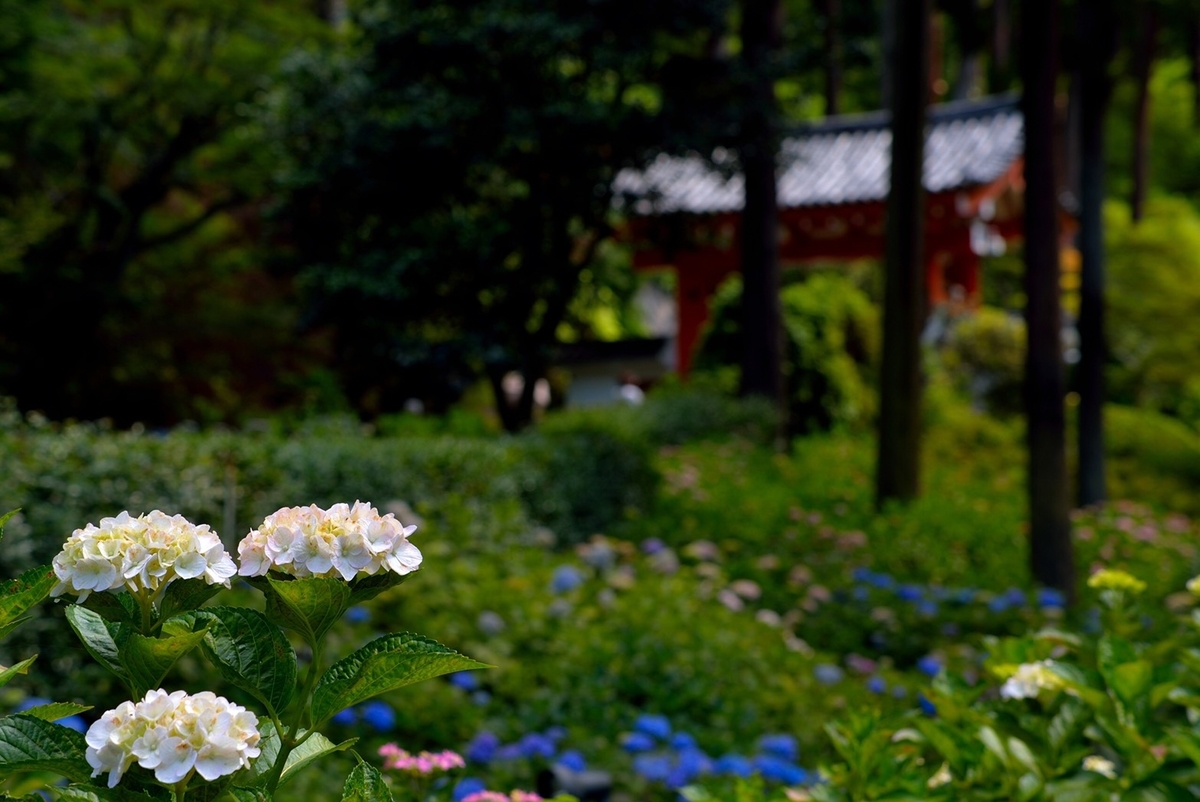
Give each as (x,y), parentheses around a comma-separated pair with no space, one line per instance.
(482,748)
(556,734)
(566,578)
(572,760)
(828,674)
(654,767)
(929,665)
(1049,598)
(358,614)
(1016,597)
(910,593)
(654,726)
(927,707)
(927,608)
(346,718)
(882,581)
(780,745)
(467,786)
(481,698)
(379,715)
(30,702)
(694,761)
(876,684)
(509,752)
(467,680)
(535,744)
(999,604)
(75,723)
(652,545)
(638,742)
(861,575)
(682,740)
(733,766)
(784,771)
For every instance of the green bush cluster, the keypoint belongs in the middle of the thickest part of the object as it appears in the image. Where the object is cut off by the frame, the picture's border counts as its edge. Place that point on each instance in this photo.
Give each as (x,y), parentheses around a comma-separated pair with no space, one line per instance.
(831,347)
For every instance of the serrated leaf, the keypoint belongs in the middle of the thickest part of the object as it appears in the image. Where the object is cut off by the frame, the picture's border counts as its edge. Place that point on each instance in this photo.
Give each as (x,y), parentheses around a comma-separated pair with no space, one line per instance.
(366,784)
(147,660)
(383,665)
(316,746)
(368,587)
(56,710)
(30,744)
(22,667)
(100,637)
(249,652)
(18,596)
(308,606)
(5,518)
(97,793)
(183,596)
(119,608)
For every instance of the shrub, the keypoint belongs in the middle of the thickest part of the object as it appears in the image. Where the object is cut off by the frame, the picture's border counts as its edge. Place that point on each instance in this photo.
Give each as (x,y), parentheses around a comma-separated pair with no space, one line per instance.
(831,344)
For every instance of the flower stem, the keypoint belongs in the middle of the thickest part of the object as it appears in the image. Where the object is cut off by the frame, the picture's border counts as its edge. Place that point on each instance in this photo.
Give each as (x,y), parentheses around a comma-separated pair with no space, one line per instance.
(180,788)
(288,740)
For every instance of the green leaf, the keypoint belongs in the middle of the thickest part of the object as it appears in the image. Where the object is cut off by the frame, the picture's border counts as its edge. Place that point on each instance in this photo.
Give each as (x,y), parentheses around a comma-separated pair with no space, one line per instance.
(384,664)
(183,596)
(5,518)
(248,650)
(116,607)
(147,660)
(366,784)
(249,794)
(18,596)
(1187,742)
(316,746)
(56,710)
(98,793)
(101,638)
(1131,680)
(368,587)
(308,606)
(1020,751)
(30,744)
(993,743)
(22,667)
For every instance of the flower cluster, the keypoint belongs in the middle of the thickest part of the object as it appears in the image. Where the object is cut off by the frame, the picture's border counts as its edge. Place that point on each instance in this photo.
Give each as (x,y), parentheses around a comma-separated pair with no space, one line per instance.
(495,796)
(1112,579)
(174,735)
(397,759)
(341,541)
(146,553)
(1028,679)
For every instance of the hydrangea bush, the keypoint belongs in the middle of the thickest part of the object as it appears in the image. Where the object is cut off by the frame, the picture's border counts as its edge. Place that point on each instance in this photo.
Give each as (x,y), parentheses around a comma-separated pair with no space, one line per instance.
(140,585)
(1062,716)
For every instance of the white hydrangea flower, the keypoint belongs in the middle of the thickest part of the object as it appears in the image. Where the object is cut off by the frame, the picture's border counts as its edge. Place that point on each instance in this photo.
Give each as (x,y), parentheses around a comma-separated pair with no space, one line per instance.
(342,541)
(173,735)
(146,553)
(1029,679)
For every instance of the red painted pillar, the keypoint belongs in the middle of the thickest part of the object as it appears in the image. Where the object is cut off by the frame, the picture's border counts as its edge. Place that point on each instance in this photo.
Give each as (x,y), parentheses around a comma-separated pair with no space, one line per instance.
(698,275)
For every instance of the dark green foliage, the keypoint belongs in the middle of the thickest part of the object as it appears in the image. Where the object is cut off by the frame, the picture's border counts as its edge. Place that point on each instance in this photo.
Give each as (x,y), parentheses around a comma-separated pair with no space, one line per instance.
(832,334)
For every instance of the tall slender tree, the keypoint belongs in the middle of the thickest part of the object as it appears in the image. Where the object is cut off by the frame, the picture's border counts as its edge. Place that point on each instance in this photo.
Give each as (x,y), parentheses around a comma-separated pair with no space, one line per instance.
(1049,523)
(831,54)
(761,360)
(898,464)
(1096,30)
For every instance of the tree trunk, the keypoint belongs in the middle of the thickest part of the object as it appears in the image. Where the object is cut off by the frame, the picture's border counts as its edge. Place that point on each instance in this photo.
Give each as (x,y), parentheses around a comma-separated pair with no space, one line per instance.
(761,358)
(1143,66)
(1096,28)
(1049,523)
(999,76)
(898,466)
(968,34)
(832,55)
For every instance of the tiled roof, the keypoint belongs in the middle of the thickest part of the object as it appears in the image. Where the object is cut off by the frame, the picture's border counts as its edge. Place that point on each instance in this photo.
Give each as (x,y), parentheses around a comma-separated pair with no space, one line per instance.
(839,160)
